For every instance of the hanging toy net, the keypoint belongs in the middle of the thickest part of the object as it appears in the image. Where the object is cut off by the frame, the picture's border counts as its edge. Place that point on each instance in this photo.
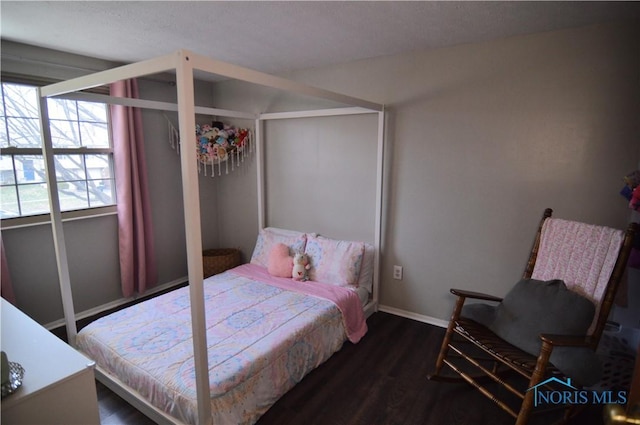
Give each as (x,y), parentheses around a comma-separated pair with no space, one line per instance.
(219,144)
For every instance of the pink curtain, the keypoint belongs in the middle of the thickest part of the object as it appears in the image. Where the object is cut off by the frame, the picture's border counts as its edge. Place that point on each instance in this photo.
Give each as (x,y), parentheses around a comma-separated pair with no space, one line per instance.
(5,277)
(137,258)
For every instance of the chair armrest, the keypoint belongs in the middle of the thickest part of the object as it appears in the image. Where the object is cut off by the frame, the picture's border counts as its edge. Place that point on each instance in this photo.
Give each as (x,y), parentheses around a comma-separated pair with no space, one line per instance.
(475,295)
(567,340)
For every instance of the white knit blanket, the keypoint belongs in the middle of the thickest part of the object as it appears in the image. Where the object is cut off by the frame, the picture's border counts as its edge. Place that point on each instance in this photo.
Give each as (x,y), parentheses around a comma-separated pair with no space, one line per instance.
(582,255)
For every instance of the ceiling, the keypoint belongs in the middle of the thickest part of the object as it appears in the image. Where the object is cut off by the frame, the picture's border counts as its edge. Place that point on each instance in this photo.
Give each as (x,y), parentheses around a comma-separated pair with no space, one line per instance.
(275,37)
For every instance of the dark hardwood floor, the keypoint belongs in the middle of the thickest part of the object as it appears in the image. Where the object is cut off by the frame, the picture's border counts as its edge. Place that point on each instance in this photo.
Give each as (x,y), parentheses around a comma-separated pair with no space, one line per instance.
(381,380)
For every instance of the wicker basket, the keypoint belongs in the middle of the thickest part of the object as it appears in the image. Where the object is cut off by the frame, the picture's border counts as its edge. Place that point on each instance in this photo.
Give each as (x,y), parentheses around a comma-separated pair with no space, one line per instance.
(216,261)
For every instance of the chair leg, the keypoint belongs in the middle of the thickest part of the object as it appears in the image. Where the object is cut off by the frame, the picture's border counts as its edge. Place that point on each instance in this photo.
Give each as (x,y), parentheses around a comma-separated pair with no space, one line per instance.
(536,378)
(525,409)
(444,349)
(568,414)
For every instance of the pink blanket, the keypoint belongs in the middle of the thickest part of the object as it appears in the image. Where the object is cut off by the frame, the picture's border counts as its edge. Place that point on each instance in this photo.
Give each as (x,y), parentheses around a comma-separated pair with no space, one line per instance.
(346,300)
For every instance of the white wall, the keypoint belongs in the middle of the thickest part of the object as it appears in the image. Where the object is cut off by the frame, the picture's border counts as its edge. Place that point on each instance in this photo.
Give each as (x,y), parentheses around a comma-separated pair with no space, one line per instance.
(482,138)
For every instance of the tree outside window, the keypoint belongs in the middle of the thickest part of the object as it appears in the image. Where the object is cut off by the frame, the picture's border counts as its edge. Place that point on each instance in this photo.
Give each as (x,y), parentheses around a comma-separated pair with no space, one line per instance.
(82,149)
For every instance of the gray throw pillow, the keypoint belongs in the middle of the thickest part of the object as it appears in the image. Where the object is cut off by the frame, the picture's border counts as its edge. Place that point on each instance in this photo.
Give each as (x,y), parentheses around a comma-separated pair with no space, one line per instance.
(533,307)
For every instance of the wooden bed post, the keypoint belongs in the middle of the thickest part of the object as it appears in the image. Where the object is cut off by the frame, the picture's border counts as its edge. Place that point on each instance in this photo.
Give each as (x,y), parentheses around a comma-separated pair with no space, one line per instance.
(193,232)
(260,173)
(377,243)
(56,223)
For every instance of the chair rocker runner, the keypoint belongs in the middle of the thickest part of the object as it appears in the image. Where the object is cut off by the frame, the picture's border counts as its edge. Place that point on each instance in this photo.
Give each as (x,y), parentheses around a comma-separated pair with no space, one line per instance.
(568,289)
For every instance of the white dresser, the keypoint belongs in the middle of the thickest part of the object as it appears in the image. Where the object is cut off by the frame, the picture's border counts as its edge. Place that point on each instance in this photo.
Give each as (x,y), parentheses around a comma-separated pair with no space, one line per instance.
(58,385)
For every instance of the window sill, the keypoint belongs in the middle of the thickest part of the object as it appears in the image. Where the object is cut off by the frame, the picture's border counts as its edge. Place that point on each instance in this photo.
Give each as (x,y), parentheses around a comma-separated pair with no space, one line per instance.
(37,220)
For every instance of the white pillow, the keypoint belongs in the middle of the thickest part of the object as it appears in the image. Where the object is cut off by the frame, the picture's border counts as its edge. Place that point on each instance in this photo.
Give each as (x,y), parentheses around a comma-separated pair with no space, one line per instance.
(334,261)
(284,232)
(269,237)
(365,278)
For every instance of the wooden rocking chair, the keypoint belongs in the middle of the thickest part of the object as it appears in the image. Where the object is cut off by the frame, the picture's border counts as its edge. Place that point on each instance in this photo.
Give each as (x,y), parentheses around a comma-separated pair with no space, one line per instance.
(583,259)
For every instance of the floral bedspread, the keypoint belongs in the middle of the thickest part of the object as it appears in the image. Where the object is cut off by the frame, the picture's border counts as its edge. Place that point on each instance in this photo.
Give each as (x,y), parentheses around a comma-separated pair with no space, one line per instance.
(261,340)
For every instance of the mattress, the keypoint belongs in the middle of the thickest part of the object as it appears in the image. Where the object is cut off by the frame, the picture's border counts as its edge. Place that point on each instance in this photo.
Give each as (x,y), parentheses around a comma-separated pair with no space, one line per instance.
(263,336)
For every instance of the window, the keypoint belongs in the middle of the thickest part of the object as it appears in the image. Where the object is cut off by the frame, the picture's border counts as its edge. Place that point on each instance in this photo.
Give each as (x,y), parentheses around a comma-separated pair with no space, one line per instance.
(82,150)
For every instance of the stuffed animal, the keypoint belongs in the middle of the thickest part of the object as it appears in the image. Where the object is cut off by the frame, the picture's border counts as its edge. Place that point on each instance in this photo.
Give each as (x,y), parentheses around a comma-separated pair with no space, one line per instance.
(241,137)
(280,262)
(300,267)
(634,202)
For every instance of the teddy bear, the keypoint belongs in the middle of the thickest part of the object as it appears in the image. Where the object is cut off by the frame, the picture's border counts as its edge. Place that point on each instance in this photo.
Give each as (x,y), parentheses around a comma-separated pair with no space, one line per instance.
(300,267)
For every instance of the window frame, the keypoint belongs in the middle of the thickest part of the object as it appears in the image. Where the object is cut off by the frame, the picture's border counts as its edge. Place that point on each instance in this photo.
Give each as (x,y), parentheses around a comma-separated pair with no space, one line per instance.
(84,151)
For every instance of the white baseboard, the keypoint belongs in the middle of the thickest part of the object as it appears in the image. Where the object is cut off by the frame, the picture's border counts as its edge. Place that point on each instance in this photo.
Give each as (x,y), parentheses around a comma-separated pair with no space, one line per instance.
(117,303)
(415,316)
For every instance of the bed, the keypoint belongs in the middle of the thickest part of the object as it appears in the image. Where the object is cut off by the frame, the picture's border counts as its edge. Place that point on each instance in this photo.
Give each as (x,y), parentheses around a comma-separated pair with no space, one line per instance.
(264,333)
(201,382)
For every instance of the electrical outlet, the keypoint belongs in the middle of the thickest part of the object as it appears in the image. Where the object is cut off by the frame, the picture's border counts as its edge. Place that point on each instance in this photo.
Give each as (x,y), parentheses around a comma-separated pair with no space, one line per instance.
(397,272)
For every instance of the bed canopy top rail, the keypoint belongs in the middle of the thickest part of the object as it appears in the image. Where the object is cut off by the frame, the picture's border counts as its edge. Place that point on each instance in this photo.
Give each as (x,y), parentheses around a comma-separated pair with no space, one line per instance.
(205,110)
(330,112)
(250,76)
(172,61)
(153,104)
(151,66)
(184,63)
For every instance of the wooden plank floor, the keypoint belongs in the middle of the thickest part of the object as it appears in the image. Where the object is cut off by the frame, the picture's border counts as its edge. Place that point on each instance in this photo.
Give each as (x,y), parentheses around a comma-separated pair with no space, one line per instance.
(381,380)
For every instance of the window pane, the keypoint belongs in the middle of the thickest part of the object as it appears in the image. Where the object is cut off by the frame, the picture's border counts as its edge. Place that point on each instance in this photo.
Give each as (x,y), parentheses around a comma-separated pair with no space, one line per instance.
(73,195)
(94,135)
(34,198)
(20,101)
(101,181)
(61,109)
(64,134)
(24,132)
(9,202)
(98,167)
(101,193)
(6,170)
(4,139)
(95,112)
(70,168)
(30,169)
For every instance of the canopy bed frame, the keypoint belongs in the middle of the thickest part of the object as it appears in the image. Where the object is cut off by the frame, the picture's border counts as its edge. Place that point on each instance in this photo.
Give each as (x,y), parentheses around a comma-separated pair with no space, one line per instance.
(185,63)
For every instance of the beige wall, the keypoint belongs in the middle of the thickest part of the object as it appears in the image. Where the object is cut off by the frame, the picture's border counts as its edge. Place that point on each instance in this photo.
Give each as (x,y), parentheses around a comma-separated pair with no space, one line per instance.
(484,137)
(481,138)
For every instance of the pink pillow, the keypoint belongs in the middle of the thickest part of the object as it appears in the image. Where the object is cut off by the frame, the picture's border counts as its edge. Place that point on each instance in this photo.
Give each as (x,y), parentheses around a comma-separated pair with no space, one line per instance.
(280,264)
